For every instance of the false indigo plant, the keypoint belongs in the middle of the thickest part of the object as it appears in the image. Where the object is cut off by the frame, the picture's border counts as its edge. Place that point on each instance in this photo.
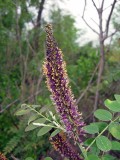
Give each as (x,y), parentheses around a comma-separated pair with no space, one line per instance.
(71,125)
(58,84)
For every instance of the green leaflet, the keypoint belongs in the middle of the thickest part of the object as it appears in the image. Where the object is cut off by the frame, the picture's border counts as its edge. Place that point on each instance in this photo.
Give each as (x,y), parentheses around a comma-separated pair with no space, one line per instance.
(103,143)
(114,129)
(103,115)
(31,126)
(44,130)
(112,105)
(91,129)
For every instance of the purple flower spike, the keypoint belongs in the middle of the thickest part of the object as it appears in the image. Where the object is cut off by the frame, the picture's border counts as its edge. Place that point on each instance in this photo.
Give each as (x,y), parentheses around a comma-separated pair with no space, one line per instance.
(58,84)
(60,144)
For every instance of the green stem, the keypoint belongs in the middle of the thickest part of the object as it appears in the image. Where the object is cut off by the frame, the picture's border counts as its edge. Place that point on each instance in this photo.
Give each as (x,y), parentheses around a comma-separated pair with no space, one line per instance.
(58,126)
(83,151)
(45,125)
(101,133)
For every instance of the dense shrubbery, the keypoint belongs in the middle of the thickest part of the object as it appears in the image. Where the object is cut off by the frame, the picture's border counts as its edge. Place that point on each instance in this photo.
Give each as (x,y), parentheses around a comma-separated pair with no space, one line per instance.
(22,54)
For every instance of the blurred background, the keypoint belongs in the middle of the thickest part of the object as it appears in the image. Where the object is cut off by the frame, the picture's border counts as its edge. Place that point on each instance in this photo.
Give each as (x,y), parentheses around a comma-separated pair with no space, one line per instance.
(22,53)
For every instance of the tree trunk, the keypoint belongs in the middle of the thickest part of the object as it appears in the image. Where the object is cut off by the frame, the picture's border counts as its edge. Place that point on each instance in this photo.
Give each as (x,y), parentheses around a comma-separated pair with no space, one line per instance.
(100,72)
(102,60)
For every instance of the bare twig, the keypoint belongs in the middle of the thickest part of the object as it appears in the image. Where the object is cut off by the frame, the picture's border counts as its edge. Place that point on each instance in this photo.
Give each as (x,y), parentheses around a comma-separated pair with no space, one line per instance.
(95,5)
(112,34)
(110,5)
(84,8)
(108,20)
(107,7)
(94,22)
(86,21)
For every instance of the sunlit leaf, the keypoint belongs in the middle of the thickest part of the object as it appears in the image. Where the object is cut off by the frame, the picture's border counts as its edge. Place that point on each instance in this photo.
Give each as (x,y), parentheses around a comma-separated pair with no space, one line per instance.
(44,130)
(103,143)
(112,105)
(39,124)
(31,126)
(114,129)
(32,118)
(103,115)
(91,129)
(40,120)
(35,106)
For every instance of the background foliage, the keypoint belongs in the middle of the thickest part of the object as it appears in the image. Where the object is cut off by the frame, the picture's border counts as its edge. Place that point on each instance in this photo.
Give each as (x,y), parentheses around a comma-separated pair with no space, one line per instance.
(22,52)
